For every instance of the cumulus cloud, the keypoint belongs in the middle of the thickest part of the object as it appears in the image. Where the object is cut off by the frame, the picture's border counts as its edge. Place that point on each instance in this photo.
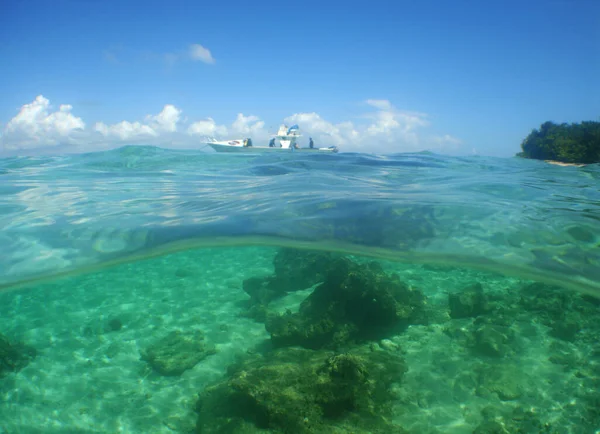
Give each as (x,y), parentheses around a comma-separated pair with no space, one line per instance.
(125,130)
(324,132)
(37,125)
(242,126)
(386,130)
(248,125)
(164,122)
(207,127)
(383,129)
(198,52)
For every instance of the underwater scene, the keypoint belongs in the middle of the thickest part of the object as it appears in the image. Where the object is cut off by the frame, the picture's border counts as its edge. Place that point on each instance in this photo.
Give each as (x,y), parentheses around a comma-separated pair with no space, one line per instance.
(145,290)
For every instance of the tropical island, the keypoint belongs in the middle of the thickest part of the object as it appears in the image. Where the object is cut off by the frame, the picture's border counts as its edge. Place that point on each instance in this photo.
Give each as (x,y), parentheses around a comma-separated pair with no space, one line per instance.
(576,143)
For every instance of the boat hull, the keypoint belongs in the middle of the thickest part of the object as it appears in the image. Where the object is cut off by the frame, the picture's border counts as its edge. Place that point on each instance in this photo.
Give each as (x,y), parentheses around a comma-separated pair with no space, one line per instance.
(223,147)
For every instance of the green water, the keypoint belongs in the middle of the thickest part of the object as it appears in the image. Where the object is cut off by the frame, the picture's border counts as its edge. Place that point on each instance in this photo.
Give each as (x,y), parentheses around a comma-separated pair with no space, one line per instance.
(528,361)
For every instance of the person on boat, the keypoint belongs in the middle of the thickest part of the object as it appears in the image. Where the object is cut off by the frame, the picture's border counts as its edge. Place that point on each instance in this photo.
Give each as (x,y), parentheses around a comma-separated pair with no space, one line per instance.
(311,144)
(248,142)
(272,143)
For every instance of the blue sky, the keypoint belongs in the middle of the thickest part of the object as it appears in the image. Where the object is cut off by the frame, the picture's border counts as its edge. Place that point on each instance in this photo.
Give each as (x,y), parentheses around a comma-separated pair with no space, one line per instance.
(383,76)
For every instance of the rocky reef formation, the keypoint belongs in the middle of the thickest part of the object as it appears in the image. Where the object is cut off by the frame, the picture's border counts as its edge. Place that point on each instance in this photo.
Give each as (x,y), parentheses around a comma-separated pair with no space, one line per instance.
(322,374)
(177,352)
(354,302)
(295,390)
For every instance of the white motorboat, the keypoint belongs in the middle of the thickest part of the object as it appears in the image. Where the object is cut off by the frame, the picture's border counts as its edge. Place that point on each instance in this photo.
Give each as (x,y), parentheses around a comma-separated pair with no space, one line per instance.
(284,141)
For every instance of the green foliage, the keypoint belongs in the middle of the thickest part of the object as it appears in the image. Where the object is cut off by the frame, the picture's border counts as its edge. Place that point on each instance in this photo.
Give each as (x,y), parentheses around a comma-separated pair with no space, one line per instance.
(568,143)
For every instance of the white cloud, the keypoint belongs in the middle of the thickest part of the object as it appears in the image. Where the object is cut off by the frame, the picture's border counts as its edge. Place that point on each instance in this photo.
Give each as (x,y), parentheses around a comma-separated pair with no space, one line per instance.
(248,125)
(384,129)
(166,120)
(125,130)
(35,125)
(387,130)
(323,132)
(198,52)
(194,53)
(381,104)
(207,128)
(242,126)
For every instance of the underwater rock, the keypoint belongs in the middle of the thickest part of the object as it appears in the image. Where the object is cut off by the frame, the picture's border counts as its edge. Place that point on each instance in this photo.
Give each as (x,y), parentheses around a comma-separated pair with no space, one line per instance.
(470,302)
(566,328)
(490,340)
(503,380)
(114,325)
(562,353)
(465,385)
(294,270)
(565,312)
(261,290)
(550,302)
(366,223)
(513,420)
(356,301)
(257,312)
(488,336)
(177,352)
(294,390)
(14,356)
(438,268)
(491,427)
(300,269)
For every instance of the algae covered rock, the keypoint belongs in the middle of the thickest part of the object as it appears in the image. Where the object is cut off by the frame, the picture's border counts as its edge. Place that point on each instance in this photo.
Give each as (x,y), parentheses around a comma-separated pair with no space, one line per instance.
(485,337)
(294,270)
(14,356)
(177,352)
(470,302)
(355,301)
(565,312)
(294,390)
(300,269)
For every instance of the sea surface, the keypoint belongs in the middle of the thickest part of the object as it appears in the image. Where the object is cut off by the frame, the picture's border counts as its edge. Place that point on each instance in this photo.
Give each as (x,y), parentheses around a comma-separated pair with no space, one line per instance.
(151,290)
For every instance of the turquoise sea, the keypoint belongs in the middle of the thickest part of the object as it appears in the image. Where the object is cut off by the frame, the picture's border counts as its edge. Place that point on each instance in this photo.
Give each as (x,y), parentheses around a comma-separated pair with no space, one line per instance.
(145,290)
